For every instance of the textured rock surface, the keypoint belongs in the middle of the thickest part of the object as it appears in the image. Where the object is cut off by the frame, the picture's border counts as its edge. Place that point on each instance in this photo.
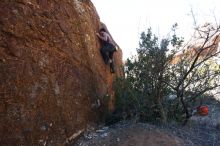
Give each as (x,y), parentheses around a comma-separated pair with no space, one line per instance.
(51,70)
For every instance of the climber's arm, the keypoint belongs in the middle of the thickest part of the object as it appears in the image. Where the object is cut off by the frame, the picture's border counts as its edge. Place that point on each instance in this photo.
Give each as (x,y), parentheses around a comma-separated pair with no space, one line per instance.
(104,38)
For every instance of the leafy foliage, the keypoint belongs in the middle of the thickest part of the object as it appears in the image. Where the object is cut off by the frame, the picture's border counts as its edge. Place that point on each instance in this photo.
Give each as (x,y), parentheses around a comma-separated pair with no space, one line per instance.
(160,85)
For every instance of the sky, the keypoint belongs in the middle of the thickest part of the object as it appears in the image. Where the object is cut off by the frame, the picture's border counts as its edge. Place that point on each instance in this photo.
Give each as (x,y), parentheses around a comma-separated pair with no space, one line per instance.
(126,19)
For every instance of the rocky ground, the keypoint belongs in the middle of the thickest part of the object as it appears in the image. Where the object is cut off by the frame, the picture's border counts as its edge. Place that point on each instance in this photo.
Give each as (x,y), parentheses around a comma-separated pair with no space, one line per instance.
(200,131)
(142,134)
(129,134)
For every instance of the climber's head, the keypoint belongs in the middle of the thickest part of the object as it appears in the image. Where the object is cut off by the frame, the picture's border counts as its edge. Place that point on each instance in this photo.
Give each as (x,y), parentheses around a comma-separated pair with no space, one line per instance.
(102,30)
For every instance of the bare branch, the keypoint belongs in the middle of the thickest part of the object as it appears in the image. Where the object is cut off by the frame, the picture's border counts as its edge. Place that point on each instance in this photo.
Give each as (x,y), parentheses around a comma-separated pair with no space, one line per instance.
(202,92)
(193,81)
(198,64)
(168,84)
(193,65)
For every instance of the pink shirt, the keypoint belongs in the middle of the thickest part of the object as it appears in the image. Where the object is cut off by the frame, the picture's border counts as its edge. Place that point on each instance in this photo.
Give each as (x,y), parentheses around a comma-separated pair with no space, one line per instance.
(106,37)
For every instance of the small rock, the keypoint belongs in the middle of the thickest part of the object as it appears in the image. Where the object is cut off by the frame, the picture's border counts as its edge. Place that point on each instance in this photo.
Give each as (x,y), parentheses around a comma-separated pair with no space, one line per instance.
(88,136)
(105,128)
(43,128)
(118,139)
(100,131)
(104,135)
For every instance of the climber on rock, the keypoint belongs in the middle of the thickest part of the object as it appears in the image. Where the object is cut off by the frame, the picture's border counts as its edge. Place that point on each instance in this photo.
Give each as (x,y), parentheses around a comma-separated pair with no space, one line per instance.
(108,48)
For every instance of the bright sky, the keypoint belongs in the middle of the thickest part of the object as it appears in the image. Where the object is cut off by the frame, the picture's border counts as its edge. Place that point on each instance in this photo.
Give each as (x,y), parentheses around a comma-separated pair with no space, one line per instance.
(126,19)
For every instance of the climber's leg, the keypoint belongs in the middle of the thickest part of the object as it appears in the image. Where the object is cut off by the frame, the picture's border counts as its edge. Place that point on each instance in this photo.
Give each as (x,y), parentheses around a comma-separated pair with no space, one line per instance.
(111,60)
(105,54)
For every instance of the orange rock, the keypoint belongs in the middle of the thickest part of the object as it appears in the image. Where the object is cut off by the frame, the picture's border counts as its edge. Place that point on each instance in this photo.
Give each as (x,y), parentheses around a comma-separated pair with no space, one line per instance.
(51,70)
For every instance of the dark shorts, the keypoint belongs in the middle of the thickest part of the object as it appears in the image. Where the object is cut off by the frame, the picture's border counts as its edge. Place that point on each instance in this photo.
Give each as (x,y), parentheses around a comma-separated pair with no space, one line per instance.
(107,47)
(107,52)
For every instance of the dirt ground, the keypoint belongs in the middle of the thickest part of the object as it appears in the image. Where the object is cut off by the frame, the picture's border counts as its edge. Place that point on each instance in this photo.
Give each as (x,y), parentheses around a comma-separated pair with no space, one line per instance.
(143,134)
(130,134)
(200,131)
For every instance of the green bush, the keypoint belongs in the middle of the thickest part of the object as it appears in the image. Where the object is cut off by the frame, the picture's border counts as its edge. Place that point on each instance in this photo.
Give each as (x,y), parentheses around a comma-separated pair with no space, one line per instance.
(151,78)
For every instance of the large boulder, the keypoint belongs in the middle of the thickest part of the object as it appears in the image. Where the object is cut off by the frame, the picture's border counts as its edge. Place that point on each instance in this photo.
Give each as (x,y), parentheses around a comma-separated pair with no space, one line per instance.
(52,75)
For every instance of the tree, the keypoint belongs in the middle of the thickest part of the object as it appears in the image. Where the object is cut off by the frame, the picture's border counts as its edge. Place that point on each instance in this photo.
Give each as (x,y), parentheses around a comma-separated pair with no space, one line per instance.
(159,71)
(196,72)
(144,87)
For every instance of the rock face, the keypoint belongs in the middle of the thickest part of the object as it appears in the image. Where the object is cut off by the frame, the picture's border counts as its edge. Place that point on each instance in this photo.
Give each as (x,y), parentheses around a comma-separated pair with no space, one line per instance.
(51,70)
